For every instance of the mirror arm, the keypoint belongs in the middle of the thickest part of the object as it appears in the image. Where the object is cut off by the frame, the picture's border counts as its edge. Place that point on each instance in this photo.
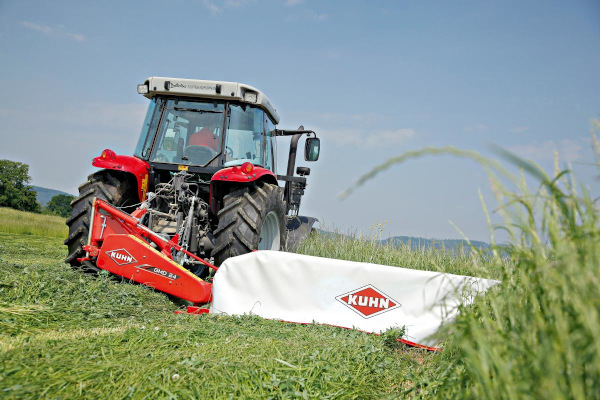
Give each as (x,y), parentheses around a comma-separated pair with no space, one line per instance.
(283,132)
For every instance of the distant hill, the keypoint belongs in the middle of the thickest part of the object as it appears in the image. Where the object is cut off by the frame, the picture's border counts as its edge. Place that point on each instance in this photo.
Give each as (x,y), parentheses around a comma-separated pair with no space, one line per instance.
(44,194)
(422,243)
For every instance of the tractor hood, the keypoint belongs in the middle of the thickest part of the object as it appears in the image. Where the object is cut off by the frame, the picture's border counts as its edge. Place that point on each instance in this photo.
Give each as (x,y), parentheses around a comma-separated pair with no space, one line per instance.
(156,85)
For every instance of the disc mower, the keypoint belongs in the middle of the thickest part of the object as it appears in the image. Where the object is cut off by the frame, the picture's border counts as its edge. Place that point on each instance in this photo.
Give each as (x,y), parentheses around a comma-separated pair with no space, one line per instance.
(201,186)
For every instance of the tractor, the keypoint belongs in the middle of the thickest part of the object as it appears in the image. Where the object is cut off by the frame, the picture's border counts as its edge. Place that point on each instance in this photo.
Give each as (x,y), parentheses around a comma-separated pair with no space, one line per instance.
(203,177)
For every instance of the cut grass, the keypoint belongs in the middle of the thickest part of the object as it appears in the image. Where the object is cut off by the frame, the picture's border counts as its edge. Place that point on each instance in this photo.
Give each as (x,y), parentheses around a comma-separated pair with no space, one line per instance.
(25,223)
(63,334)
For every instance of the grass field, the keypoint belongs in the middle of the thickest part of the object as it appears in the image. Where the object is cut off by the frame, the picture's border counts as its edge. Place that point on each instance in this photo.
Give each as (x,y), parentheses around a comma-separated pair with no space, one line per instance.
(24,223)
(65,335)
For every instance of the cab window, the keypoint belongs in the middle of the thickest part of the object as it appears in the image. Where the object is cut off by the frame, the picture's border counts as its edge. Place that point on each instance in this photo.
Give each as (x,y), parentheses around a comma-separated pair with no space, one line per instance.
(270,145)
(190,133)
(244,139)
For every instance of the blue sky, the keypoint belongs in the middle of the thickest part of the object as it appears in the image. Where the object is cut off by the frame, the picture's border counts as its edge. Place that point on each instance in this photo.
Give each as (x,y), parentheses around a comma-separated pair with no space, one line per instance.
(374,79)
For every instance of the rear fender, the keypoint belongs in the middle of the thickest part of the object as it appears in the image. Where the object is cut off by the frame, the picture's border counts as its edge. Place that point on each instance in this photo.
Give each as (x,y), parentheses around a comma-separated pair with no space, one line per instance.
(228,179)
(129,164)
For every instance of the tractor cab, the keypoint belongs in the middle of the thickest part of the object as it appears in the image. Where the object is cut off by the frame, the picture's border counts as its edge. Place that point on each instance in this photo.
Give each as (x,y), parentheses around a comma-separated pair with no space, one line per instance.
(206,125)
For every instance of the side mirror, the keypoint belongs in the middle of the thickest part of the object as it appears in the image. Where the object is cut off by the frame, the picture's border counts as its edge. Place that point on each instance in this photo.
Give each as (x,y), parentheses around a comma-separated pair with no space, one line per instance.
(170,140)
(312,148)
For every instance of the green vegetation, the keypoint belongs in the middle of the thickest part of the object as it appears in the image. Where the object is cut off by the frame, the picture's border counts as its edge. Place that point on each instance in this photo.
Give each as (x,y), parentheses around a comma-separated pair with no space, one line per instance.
(60,205)
(446,244)
(24,223)
(354,247)
(14,189)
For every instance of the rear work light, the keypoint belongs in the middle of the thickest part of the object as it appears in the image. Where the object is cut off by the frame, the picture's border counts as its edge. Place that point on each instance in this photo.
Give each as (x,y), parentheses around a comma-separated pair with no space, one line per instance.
(142,88)
(250,97)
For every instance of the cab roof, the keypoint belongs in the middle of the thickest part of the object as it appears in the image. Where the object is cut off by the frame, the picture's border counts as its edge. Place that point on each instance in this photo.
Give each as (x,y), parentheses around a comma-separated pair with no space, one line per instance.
(157,85)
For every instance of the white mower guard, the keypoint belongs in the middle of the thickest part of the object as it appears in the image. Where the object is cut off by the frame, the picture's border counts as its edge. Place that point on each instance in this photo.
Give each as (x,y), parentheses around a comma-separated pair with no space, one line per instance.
(368,297)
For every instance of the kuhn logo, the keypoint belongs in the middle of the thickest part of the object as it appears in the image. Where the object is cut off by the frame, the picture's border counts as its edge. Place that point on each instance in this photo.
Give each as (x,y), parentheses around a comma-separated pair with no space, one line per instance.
(121,257)
(368,301)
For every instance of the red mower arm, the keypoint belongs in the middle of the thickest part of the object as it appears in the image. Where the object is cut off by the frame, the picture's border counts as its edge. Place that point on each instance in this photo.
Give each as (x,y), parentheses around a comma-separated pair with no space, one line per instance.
(119,244)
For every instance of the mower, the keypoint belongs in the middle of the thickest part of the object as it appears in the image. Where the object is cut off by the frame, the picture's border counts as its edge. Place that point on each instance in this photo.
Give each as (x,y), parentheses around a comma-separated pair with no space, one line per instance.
(201,193)
(201,186)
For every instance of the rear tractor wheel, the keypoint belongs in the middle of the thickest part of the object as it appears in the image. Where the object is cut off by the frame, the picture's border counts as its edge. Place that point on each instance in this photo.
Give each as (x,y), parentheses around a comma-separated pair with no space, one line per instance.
(112,187)
(252,218)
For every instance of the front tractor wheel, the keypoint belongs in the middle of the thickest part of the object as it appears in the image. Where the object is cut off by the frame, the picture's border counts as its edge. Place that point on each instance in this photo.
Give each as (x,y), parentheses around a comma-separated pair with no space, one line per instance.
(113,187)
(252,218)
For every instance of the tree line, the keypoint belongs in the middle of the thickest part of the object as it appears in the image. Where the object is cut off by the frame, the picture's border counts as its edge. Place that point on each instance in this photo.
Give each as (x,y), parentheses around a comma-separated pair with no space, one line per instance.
(15,192)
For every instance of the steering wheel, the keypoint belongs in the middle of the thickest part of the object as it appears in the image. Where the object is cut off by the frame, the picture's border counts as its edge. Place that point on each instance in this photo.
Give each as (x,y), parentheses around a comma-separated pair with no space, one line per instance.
(229,151)
(199,154)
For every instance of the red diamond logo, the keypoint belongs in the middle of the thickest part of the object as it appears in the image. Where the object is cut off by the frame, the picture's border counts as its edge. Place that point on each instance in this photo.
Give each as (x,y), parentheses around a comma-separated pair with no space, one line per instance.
(368,301)
(121,257)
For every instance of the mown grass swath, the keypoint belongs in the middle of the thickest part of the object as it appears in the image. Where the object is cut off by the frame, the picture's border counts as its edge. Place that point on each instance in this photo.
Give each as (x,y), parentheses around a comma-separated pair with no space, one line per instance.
(69,335)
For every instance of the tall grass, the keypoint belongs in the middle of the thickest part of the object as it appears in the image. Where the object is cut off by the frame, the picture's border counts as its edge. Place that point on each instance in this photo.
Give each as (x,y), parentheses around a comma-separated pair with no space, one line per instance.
(353,246)
(25,223)
(537,334)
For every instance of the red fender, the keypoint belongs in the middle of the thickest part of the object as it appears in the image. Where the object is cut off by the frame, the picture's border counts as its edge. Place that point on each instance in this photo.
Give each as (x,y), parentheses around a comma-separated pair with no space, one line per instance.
(238,174)
(133,165)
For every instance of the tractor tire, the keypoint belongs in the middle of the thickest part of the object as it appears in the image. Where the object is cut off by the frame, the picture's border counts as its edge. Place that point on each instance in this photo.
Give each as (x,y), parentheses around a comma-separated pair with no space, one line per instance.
(252,218)
(114,187)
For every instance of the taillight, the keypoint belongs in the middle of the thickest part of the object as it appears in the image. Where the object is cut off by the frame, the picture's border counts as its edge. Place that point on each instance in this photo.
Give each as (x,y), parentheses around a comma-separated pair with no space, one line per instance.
(108,154)
(247,167)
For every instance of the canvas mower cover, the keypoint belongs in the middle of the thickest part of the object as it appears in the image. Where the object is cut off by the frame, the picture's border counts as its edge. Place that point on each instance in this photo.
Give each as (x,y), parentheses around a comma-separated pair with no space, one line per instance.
(368,297)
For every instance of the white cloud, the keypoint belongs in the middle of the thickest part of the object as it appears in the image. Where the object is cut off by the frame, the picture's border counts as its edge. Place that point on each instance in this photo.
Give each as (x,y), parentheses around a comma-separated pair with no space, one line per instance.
(308,15)
(357,137)
(91,117)
(319,17)
(126,117)
(479,128)
(292,3)
(215,6)
(45,29)
(212,7)
(519,129)
(48,30)
(368,129)
(568,150)
(77,36)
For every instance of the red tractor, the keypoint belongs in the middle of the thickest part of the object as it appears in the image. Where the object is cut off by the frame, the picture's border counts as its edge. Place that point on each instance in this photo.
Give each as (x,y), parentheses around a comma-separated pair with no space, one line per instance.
(202,177)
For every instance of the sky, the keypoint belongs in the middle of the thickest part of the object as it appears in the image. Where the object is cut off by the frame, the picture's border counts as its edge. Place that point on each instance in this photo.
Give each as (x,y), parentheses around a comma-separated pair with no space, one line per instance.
(374,79)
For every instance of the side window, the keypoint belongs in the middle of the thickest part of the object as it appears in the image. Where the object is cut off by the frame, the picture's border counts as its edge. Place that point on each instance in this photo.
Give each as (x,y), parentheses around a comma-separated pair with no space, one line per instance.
(174,129)
(148,129)
(245,136)
(270,145)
